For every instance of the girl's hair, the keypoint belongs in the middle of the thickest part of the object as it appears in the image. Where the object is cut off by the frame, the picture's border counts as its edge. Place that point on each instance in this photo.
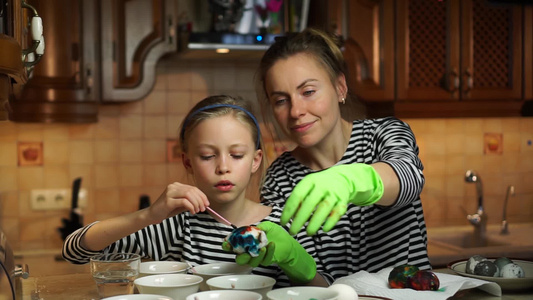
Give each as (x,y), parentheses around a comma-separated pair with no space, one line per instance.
(221,105)
(324,48)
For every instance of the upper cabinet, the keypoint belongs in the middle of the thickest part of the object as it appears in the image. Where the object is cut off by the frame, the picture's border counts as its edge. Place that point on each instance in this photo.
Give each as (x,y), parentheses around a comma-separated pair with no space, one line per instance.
(454,58)
(97,51)
(459,58)
(369,49)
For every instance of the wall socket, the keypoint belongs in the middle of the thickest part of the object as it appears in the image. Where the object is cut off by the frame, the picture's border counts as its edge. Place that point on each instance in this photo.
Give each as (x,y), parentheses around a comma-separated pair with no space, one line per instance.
(55,199)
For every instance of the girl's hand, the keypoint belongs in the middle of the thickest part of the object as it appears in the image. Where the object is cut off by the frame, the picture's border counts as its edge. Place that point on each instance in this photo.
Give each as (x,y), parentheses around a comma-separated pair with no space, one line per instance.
(176,199)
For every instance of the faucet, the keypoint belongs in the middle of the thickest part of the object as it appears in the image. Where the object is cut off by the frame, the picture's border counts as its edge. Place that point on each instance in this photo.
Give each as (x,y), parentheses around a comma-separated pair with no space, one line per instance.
(505,228)
(479,219)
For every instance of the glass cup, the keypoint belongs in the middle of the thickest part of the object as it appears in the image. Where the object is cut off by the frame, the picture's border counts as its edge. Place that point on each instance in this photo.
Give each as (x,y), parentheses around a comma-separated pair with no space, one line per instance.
(114,273)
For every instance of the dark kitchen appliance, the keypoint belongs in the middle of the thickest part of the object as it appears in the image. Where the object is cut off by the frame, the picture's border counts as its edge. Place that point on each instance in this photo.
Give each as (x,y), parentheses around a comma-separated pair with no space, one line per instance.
(75,222)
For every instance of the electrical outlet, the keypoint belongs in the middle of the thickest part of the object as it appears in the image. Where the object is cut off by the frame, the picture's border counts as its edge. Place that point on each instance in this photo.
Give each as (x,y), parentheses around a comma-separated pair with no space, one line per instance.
(54,199)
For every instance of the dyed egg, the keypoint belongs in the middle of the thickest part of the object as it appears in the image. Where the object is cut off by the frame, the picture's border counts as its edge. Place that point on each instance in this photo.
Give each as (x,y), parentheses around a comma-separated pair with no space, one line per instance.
(486,268)
(247,239)
(424,280)
(500,262)
(400,276)
(472,262)
(512,270)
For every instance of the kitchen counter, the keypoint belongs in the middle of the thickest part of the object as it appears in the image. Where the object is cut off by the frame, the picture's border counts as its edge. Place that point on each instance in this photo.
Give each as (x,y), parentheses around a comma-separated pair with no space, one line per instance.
(82,287)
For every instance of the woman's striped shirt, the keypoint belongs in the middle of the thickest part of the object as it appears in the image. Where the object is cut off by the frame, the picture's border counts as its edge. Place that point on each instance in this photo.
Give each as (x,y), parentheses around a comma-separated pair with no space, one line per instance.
(370,237)
(196,239)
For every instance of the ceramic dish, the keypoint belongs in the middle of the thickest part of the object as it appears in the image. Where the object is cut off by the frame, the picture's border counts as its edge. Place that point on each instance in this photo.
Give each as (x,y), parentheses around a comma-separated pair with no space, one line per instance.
(507,284)
(363,297)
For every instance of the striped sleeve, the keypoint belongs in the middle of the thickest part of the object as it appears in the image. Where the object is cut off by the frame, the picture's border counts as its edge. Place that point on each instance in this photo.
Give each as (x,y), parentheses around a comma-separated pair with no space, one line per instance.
(396,146)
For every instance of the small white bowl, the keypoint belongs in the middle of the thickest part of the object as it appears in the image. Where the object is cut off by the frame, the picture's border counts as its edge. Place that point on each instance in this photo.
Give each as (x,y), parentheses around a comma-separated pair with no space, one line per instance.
(225,295)
(176,286)
(139,297)
(162,267)
(208,271)
(303,293)
(245,282)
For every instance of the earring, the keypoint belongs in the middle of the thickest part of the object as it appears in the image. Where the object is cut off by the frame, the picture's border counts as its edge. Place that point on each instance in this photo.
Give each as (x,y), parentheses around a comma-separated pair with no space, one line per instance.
(343,100)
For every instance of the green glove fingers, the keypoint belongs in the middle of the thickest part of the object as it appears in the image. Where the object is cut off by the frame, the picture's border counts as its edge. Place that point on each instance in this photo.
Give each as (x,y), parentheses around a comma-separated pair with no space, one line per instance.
(324,208)
(290,256)
(264,258)
(326,195)
(226,246)
(336,214)
(293,204)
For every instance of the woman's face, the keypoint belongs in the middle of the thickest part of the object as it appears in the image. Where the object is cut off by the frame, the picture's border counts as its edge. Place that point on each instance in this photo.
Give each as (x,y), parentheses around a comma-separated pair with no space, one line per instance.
(222,157)
(304,102)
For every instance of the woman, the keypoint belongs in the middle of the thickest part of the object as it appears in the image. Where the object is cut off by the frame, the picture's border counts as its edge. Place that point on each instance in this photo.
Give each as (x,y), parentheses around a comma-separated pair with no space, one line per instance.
(355,186)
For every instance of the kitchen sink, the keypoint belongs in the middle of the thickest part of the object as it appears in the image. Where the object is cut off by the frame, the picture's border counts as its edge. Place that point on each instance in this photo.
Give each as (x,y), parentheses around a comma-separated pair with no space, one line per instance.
(447,244)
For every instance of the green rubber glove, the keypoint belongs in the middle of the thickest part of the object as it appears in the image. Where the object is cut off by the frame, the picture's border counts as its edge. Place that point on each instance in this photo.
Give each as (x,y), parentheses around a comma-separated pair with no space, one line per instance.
(282,249)
(329,192)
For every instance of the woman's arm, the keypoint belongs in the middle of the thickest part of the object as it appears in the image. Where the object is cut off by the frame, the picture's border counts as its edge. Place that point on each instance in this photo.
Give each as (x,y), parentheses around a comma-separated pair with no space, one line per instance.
(391,184)
(398,163)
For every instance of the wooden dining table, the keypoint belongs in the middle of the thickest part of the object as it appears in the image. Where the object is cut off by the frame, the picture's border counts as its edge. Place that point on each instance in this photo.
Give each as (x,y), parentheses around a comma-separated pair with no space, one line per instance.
(81,286)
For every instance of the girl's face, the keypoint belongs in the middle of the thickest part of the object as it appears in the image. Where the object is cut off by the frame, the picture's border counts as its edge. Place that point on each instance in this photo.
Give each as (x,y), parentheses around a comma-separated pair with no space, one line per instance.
(222,157)
(303,100)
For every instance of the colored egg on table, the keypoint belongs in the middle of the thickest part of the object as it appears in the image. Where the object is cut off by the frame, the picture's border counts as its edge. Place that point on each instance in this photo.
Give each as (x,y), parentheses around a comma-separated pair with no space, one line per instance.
(500,262)
(512,270)
(472,262)
(487,268)
(425,280)
(247,239)
(399,277)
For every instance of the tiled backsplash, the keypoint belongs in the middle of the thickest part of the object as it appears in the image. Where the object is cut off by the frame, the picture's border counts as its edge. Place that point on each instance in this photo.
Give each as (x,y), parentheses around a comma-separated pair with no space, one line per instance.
(124,156)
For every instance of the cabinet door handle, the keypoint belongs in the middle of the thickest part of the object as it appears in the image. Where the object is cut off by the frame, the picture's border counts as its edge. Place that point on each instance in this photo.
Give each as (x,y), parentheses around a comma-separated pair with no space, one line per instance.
(468,81)
(171,30)
(453,83)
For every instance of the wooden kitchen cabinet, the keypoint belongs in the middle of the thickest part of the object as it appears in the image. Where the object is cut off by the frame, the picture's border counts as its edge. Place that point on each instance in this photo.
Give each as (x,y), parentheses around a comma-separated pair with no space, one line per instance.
(61,87)
(458,58)
(97,51)
(369,49)
(135,34)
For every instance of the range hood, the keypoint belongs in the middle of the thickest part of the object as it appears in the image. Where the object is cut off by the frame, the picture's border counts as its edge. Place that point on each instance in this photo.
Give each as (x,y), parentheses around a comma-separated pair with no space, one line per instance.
(213,45)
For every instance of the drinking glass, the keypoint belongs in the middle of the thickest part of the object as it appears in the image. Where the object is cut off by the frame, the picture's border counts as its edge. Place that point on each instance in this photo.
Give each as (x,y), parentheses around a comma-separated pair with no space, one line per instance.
(114,273)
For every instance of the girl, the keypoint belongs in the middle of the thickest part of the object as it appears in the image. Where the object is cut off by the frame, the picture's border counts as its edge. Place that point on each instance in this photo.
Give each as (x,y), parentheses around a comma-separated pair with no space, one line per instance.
(354,185)
(221,145)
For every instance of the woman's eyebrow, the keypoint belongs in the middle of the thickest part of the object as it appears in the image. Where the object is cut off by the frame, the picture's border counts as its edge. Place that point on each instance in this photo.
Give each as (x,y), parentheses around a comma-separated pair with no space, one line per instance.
(301,85)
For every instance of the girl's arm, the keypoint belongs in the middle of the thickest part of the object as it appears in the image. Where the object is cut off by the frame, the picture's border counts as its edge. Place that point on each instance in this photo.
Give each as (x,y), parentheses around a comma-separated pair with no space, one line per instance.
(176,199)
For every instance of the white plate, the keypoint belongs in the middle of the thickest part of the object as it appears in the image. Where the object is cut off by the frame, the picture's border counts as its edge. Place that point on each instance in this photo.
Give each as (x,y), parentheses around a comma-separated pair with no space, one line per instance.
(508,284)
(363,297)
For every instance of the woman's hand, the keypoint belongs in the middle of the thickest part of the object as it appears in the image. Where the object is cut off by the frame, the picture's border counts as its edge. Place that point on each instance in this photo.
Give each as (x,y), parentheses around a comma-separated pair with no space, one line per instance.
(176,199)
(282,249)
(326,194)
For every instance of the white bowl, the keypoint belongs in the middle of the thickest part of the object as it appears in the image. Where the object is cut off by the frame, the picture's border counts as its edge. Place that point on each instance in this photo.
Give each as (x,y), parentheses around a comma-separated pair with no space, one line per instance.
(225,295)
(303,293)
(162,267)
(245,282)
(208,271)
(176,286)
(139,297)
